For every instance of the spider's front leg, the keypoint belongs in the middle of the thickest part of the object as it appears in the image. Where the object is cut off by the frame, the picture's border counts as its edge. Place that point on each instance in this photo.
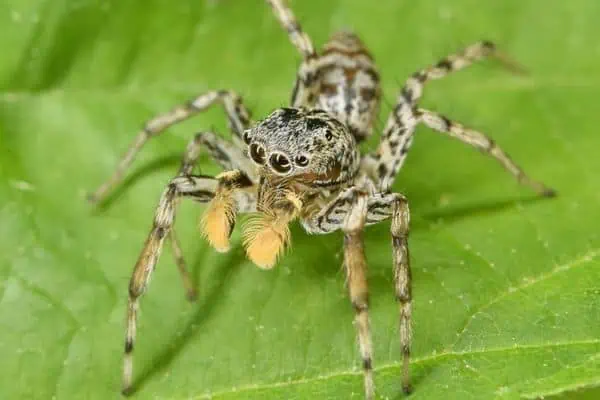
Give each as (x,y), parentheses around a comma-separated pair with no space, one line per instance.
(402,275)
(199,188)
(355,264)
(350,211)
(227,156)
(380,207)
(238,116)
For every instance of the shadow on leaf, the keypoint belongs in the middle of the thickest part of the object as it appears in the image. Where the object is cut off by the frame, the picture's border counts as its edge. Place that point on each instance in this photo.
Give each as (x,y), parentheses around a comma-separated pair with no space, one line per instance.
(206,304)
(455,213)
(132,178)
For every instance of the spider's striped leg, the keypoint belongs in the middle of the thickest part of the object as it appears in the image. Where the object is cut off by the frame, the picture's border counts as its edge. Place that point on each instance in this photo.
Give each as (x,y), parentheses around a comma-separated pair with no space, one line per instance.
(288,21)
(226,155)
(190,157)
(355,264)
(484,144)
(403,282)
(348,213)
(382,206)
(403,285)
(306,85)
(188,284)
(413,88)
(398,134)
(238,115)
(195,187)
(200,187)
(396,140)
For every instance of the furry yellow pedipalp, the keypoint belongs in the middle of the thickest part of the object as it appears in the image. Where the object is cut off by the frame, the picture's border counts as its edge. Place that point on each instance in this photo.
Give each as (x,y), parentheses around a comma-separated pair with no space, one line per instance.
(267,234)
(217,221)
(265,239)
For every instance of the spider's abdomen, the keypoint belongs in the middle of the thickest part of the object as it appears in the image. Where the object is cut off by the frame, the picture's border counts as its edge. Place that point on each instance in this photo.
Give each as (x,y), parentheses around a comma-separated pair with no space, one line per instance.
(349,84)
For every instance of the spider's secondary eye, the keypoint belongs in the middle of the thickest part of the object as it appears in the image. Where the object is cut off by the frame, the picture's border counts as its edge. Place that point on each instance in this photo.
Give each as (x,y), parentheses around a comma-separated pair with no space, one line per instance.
(301,161)
(328,135)
(257,153)
(246,137)
(280,163)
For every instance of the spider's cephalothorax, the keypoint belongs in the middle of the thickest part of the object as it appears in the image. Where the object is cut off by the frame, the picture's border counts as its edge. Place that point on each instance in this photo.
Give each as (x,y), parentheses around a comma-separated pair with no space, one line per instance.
(297,152)
(307,146)
(302,150)
(303,163)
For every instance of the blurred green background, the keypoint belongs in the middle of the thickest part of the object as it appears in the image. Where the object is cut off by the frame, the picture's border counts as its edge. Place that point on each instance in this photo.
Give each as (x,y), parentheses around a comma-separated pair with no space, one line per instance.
(506,286)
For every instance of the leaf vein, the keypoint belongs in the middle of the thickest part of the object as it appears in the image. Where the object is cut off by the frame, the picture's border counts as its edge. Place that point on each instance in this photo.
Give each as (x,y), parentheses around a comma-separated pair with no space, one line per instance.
(422,360)
(582,260)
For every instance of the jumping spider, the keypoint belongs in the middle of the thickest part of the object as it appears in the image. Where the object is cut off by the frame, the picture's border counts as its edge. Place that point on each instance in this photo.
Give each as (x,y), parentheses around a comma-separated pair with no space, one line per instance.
(303,162)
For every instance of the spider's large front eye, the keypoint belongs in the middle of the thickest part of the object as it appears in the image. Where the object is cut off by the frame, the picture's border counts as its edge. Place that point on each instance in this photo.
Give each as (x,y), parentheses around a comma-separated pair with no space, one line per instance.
(301,161)
(280,163)
(257,153)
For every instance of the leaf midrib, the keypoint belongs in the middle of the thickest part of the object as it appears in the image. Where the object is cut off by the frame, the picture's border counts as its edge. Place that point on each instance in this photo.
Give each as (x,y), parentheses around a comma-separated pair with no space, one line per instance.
(397,365)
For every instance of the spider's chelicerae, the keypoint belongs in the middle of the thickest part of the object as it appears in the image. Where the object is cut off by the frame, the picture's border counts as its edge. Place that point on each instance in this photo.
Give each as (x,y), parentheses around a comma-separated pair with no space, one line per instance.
(303,162)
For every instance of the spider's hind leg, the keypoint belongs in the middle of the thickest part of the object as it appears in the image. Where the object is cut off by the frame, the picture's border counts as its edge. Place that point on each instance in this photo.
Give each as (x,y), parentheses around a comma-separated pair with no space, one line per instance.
(288,21)
(306,85)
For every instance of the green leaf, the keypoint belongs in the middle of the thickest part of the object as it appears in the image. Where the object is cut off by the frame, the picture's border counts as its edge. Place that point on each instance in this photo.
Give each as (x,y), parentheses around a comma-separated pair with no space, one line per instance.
(506,294)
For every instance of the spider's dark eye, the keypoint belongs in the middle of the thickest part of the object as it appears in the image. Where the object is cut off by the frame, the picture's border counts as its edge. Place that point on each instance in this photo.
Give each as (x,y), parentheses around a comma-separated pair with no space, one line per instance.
(257,153)
(328,135)
(280,163)
(246,137)
(301,161)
